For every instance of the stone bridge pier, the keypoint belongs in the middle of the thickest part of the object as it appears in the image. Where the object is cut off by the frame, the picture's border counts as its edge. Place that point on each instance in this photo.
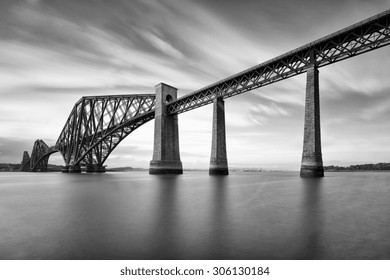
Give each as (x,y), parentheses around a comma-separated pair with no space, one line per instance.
(218,159)
(166,154)
(312,165)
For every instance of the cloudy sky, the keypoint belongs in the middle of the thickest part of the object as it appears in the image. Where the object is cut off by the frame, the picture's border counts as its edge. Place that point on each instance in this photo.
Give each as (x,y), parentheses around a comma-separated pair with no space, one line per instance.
(54,51)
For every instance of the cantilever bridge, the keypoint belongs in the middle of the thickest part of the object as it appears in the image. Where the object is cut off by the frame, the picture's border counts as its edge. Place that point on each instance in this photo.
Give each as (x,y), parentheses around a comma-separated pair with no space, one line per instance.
(97,124)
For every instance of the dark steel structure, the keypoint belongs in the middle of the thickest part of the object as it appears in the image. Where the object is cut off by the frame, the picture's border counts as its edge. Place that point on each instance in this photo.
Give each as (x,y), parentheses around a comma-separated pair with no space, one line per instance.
(40,155)
(367,35)
(25,164)
(97,124)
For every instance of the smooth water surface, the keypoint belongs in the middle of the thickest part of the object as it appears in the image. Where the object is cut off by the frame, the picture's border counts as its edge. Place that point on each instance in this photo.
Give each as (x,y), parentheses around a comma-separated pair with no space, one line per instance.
(134,215)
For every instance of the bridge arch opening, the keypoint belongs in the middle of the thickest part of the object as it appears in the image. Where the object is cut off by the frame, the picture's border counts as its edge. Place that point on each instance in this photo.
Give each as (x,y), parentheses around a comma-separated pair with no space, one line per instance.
(135,150)
(55,161)
(48,162)
(168,98)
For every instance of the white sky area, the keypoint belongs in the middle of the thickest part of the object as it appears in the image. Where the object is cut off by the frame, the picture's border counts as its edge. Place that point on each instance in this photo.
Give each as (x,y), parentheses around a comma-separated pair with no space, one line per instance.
(54,52)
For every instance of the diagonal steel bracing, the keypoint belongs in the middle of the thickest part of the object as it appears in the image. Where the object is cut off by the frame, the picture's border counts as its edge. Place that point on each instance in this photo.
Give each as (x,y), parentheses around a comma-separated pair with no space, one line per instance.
(359,38)
(40,155)
(97,124)
(25,164)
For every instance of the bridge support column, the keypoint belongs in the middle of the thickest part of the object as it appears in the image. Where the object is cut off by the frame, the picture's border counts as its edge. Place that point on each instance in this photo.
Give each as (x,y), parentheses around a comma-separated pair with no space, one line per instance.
(312,157)
(166,156)
(218,159)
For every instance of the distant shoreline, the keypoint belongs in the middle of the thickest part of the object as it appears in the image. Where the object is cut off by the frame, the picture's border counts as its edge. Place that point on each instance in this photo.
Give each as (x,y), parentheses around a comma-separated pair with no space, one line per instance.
(359,167)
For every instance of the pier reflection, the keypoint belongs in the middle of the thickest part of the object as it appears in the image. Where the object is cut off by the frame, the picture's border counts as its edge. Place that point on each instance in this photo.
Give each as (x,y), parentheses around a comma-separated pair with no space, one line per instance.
(312,220)
(163,238)
(219,230)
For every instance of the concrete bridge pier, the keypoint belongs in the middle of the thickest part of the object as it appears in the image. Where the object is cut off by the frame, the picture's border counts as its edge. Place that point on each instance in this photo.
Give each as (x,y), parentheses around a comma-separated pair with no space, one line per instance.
(166,155)
(312,157)
(218,159)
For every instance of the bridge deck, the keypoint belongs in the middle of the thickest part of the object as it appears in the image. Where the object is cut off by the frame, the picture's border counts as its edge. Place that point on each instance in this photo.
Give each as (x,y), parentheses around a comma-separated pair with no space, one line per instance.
(359,38)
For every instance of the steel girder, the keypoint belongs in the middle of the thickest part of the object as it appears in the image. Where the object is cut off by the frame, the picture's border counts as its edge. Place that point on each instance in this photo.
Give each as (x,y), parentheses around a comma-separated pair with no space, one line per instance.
(97,124)
(359,38)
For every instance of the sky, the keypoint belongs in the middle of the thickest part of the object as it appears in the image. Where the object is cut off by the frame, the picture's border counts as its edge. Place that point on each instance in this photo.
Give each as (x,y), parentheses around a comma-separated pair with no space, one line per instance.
(53,52)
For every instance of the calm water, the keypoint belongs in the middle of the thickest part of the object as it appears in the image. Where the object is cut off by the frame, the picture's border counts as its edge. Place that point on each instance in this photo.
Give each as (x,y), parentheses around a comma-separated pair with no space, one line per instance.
(268,215)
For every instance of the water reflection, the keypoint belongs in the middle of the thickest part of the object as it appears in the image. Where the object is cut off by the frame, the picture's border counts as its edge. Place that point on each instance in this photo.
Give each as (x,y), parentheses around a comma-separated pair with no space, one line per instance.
(312,219)
(193,216)
(163,236)
(91,217)
(219,228)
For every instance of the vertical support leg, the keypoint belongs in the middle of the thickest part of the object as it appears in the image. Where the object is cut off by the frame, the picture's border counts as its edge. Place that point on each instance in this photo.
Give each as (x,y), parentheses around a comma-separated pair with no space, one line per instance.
(312,157)
(218,159)
(166,155)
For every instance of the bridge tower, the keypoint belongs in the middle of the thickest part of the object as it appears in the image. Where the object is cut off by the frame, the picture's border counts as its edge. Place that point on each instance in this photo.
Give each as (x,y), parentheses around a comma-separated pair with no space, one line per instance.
(312,165)
(218,159)
(166,155)
(25,164)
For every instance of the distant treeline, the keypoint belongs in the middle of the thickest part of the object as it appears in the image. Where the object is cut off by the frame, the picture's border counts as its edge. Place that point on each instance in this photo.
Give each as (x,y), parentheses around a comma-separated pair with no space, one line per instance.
(359,167)
(9,166)
(12,167)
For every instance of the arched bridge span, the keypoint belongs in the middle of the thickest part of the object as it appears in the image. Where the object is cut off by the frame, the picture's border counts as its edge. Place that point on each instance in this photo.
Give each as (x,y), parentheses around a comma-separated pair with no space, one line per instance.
(39,157)
(97,124)
(94,128)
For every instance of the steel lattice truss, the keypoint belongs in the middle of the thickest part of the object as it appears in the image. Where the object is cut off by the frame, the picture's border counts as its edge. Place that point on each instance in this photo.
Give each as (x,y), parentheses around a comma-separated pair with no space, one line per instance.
(97,124)
(362,37)
(25,165)
(40,155)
